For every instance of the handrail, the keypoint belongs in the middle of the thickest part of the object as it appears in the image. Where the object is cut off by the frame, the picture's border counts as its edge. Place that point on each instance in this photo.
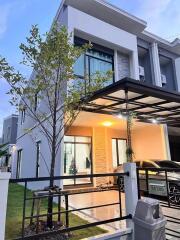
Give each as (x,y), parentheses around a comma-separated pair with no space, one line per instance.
(19,180)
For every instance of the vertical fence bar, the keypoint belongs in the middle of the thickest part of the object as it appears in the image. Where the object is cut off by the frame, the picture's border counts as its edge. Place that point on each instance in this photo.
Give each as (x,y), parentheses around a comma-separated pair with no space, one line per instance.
(167,188)
(67,208)
(32,211)
(59,207)
(120,202)
(147,182)
(24,209)
(138,184)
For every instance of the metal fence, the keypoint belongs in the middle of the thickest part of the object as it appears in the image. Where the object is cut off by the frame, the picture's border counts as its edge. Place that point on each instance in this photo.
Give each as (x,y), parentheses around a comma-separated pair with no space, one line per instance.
(58,194)
(163,184)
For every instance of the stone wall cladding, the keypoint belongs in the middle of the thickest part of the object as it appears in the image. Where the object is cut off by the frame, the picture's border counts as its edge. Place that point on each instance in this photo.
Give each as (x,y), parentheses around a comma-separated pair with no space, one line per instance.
(123,66)
(100,156)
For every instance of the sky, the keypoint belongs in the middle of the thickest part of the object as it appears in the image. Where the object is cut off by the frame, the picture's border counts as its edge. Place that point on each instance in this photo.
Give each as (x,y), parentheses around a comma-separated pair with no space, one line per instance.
(17,17)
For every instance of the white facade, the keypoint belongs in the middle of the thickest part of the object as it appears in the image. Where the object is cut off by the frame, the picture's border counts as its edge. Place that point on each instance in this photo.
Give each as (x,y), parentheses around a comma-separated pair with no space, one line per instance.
(123,41)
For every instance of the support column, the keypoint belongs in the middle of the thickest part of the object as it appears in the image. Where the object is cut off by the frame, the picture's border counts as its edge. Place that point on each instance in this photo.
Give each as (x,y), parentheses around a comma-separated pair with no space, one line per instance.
(4,184)
(156,64)
(165,130)
(129,151)
(116,66)
(131,191)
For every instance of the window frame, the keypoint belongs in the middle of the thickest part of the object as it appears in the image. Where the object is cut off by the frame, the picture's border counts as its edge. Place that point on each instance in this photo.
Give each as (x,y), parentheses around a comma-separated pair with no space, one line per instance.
(38,152)
(117,152)
(87,56)
(19,161)
(23,115)
(91,156)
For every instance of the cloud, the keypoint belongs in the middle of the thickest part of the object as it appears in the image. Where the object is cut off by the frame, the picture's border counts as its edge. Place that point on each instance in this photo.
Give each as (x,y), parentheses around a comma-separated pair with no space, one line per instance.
(162,16)
(6,11)
(4,15)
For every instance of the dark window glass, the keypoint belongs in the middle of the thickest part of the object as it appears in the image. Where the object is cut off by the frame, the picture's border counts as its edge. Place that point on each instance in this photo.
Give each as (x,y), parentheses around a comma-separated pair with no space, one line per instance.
(94,61)
(147,165)
(77,158)
(79,67)
(167,164)
(19,159)
(118,152)
(38,144)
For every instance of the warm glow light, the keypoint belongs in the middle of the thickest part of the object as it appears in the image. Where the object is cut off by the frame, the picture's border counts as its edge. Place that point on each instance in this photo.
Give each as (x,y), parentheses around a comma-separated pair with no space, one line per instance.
(107,124)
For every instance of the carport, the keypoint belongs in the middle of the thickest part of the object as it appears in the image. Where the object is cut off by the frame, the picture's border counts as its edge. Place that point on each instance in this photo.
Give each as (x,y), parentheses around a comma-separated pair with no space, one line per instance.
(149,104)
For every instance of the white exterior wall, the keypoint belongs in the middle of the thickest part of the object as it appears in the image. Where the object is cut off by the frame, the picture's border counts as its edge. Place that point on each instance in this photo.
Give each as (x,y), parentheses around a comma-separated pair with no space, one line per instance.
(103,34)
(106,35)
(27,142)
(28,165)
(126,64)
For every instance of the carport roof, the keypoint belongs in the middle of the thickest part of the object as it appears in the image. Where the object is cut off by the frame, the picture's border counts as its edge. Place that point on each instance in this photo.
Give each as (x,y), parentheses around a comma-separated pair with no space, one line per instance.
(148,102)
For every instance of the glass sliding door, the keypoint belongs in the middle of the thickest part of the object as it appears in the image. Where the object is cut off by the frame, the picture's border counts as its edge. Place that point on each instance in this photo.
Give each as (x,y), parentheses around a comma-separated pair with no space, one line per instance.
(77,159)
(118,151)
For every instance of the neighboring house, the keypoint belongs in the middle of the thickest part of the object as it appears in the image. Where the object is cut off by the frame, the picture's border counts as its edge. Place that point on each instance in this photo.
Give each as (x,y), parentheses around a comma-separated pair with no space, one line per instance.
(9,133)
(96,142)
(8,141)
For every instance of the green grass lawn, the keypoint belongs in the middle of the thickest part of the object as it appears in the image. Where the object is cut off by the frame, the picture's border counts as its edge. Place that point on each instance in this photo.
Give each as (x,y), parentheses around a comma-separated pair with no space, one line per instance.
(14,215)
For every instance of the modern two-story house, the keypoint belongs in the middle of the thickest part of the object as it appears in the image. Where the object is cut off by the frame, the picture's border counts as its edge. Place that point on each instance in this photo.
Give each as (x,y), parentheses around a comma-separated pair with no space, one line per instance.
(146,71)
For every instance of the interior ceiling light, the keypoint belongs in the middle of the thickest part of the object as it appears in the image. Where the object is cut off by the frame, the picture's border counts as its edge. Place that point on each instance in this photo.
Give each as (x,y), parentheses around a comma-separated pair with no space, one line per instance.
(107,123)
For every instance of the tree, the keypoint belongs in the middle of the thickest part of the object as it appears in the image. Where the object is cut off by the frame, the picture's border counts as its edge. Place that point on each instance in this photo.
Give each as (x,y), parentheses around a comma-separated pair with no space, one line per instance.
(2,151)
(53,82)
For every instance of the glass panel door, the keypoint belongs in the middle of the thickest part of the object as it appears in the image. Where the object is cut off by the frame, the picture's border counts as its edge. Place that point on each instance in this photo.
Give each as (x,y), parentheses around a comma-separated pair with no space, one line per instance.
(118,151)
(77,159)
(83,162)
(69,162)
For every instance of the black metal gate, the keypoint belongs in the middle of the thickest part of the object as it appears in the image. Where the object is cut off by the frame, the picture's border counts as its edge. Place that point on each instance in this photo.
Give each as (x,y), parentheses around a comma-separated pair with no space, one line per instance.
(163,184)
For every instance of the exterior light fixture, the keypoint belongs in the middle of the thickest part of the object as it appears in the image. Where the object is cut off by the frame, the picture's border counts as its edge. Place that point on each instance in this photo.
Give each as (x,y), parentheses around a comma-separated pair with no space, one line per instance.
(121,116)
(107,123)
(154,121)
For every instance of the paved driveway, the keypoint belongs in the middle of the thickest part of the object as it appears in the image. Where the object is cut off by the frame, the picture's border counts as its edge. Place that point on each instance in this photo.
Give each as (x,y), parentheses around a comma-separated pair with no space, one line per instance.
(109,212)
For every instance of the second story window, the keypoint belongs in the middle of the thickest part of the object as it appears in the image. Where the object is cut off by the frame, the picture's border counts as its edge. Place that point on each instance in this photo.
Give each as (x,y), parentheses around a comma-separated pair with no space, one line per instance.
(95,60)
(23,115)
(168,79)
(38,144)
(36,100)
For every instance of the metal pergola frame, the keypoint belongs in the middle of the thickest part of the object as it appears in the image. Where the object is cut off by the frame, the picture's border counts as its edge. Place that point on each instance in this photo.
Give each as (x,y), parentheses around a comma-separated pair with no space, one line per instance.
(149,103)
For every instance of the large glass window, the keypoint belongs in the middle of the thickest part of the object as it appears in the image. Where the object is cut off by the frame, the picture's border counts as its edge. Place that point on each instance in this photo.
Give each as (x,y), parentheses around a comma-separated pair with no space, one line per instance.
(94,61)
(77,158)
(118,151)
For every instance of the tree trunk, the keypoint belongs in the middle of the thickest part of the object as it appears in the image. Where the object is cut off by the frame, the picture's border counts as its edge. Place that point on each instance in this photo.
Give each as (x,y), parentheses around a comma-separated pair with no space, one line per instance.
(51,185)
(53,159)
